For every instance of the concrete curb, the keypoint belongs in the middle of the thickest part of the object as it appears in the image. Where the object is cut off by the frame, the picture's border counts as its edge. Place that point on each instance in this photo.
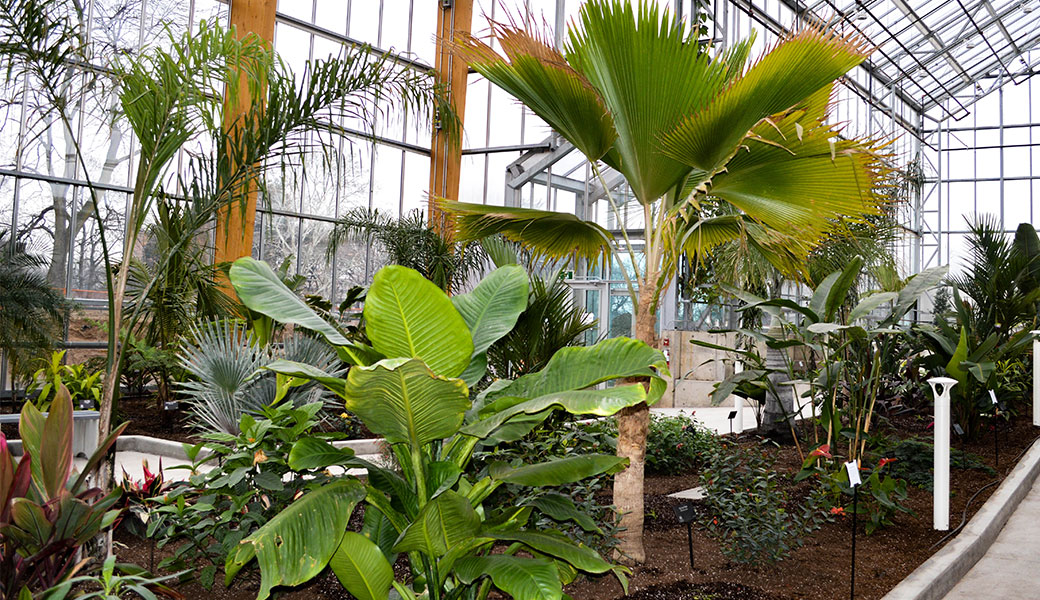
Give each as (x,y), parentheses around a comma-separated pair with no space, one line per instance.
(160,447)
(940,573)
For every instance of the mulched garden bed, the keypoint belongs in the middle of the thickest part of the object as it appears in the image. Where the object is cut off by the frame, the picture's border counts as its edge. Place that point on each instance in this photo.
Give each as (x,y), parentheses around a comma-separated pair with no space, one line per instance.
(820,569)
(817,571)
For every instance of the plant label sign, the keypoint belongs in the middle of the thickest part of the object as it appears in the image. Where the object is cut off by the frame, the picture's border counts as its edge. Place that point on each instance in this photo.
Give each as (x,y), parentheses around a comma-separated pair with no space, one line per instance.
(993,397)
(853,470)
(732,415)
(684,512)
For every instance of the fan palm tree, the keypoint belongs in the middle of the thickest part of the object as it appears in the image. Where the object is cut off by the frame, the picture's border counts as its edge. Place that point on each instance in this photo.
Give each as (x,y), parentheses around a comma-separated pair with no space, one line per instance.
(635,90)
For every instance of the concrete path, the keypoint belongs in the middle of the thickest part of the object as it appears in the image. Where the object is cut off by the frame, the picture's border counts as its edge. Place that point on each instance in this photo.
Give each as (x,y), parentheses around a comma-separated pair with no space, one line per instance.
(1010,569)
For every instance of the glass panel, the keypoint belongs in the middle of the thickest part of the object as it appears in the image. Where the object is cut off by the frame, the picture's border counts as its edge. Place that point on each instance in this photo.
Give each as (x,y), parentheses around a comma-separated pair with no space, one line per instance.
(314,240)
(620,319)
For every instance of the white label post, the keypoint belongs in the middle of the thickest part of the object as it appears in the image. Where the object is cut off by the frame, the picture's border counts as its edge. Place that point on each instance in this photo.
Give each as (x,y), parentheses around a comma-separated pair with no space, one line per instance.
(941,387)
(1036,378)
(738,405)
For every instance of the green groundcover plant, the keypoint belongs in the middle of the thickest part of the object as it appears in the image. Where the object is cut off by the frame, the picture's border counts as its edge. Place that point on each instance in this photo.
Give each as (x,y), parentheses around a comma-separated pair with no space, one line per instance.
(410,386)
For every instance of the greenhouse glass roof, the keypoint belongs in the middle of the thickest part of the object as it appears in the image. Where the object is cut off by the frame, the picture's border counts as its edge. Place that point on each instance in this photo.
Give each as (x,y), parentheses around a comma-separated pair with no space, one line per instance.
(934,49)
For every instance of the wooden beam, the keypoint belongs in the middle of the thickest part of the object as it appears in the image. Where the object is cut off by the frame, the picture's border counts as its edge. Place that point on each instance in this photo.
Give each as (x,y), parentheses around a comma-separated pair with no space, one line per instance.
(234,234)
(446,154)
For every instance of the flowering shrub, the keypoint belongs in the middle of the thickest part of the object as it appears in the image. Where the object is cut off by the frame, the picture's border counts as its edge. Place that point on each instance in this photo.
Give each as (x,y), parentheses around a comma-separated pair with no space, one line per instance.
(749,514)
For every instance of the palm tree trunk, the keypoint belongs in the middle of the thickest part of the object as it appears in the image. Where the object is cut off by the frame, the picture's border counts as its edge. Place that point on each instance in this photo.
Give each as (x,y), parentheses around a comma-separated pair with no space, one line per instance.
(633,426)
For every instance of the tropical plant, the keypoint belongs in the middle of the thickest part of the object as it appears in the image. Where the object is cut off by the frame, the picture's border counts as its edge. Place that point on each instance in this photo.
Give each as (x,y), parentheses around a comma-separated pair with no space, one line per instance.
(47,511)
(206,517)
(411,242)
(1000,280)
(410,387)
(31,311)
(184,89)
(115,581)
(847,349)
(225,363)
(550,322)
(635,90)
(748,510)
(81,382)
(175,284)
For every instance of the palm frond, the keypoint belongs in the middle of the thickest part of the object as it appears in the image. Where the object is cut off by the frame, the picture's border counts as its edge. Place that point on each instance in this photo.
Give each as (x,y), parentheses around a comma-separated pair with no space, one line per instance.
(791,72)
(550,234)
(539,76)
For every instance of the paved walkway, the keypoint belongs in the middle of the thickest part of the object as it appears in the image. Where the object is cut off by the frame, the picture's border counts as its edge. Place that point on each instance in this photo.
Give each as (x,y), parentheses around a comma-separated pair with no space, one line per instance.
(1010,569)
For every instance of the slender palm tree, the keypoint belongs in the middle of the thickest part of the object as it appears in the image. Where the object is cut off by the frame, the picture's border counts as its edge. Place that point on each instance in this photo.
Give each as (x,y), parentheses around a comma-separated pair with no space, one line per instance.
(635,91)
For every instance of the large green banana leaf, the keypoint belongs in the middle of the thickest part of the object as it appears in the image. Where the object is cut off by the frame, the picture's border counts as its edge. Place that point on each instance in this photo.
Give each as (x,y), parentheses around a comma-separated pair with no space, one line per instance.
(558,471)
(491,311)
(360,566)
(406,315)
(260,289)
(577,368)
(444,522)
(581,557)
(521,578)
(402,400)
(297,543)
(602,403)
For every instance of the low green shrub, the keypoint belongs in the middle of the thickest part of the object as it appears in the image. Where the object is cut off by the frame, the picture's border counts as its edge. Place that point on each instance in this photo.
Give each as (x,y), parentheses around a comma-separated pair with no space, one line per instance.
(914,461)
(208,515)
(81,382)
(748,511)
(674,444)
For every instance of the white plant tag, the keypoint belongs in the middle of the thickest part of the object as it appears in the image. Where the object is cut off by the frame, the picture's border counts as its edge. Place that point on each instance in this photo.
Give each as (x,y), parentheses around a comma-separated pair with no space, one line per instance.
(853,470)
(993,396)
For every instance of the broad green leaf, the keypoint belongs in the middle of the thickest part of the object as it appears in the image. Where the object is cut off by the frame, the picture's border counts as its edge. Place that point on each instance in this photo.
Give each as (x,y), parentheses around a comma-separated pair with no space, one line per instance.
(56,445)
(576,368)
(520,578)
(562,508)
(361,567)
(602,403)
(377,528)
(403,401)
(260,289)
(840,290)
(953,368)
(445,521)
(29,517)
(491,310)
(305,371)
(871,302)
(916,286)
(298,542)
(312,453)
(558,471)
(407,316)
(441,476)
(581,557)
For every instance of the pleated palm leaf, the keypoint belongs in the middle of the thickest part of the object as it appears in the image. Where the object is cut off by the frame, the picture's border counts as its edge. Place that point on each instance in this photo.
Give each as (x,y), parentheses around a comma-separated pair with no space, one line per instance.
(633,89)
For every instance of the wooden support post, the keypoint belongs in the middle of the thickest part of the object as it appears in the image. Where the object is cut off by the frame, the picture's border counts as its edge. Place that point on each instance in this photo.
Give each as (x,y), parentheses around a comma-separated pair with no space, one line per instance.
(446,154)
(234,232)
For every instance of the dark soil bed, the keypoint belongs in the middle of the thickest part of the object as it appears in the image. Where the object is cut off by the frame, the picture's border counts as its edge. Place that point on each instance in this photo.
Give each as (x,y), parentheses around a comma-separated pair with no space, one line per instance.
(820,569)
(817,571)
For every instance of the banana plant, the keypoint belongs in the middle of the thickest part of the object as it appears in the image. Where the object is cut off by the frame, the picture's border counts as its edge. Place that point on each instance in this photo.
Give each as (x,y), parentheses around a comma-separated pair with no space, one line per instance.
(411,386)
(47,510)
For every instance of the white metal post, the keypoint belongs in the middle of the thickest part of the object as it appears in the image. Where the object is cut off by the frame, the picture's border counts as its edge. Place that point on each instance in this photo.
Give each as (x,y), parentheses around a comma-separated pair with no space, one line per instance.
(1036,378)
(738,402)
(941,457)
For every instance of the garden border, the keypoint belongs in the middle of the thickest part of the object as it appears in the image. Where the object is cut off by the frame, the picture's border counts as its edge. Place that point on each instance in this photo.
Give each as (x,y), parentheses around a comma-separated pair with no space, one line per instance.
(934,578)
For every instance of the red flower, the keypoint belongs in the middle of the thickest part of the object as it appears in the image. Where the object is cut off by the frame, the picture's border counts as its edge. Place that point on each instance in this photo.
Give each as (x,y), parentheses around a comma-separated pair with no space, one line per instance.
(837,510)
(678,446)
(884,461)
(823,451)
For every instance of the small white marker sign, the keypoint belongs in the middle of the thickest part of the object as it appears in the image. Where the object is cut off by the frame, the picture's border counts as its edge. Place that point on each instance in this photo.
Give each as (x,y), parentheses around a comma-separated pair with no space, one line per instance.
(993,396)
(853,470)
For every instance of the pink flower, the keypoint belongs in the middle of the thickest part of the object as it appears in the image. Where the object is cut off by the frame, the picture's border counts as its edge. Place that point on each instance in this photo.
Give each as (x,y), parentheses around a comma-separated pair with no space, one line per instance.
(823,451)
(884,461)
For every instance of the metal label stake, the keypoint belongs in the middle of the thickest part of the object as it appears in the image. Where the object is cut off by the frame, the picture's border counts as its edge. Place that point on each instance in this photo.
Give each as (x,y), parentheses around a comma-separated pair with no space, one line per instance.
(854,480)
